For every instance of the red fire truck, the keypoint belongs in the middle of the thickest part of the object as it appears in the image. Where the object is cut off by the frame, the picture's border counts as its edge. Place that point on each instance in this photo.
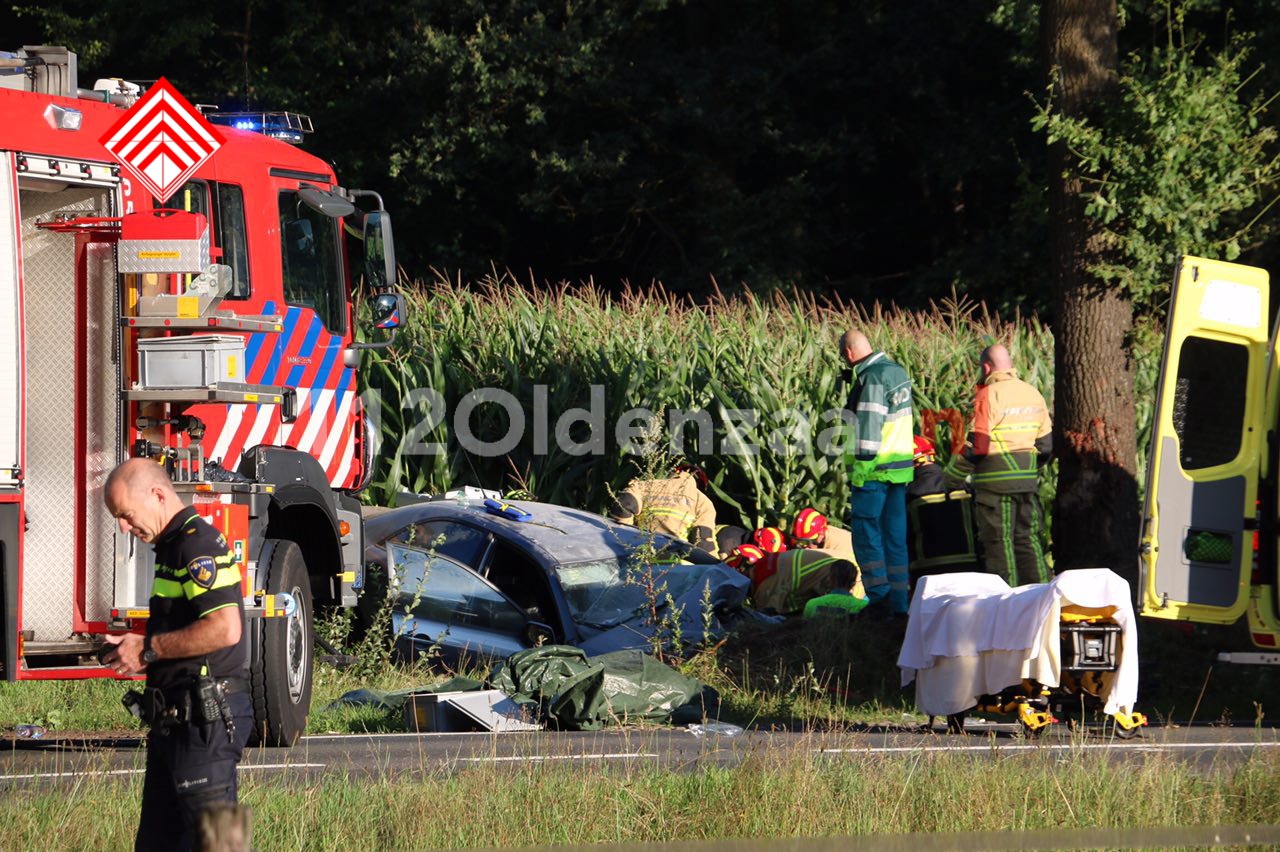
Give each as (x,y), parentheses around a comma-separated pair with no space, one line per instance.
(214,335)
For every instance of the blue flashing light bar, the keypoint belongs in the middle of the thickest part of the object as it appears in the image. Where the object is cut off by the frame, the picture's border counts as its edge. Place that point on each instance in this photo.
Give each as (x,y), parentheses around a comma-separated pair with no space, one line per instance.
(288,126)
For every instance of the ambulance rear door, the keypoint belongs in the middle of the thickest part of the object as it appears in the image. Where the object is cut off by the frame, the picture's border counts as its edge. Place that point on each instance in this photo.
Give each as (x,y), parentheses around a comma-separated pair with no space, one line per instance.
(1207,445)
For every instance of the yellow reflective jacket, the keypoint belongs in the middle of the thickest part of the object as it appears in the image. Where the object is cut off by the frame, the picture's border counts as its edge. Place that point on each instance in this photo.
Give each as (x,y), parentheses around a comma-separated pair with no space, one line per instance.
(1012,434)
(879,446)
(674,507)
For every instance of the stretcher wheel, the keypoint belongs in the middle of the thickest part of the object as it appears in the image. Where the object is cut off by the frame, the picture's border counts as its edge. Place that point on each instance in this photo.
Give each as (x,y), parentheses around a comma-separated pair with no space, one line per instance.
(1123,733)
(1030,732)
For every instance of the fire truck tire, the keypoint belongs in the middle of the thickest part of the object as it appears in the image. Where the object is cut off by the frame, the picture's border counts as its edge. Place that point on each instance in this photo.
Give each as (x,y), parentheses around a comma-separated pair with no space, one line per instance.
(280,675)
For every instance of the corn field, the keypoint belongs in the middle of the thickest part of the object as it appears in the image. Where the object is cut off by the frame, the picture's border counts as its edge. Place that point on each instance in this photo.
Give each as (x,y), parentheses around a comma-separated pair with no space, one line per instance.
(648,350)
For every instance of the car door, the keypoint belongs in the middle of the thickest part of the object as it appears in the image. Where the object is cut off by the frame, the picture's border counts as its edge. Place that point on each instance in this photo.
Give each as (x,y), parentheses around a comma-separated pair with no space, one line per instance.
(1208,440)
(442,604)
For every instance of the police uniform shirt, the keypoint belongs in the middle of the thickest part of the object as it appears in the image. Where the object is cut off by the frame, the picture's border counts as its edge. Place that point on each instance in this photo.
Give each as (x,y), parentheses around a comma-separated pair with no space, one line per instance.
(196,574)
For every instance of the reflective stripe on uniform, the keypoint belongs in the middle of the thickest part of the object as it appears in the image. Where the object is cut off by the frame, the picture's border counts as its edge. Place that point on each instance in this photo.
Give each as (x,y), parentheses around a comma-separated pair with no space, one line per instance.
(225,577)
(163,588)
(802,570)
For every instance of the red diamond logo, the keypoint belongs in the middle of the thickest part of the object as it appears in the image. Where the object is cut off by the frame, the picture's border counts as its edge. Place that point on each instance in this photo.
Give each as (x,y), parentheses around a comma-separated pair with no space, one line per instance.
(162,140)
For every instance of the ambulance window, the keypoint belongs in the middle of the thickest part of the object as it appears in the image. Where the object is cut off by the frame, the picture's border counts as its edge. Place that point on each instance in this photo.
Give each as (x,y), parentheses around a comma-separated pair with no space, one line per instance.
(1209,401)
(230,236)
(312,267)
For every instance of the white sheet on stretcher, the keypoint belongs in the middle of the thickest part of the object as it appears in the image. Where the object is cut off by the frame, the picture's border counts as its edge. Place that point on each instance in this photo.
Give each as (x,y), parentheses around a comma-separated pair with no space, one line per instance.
(971,634)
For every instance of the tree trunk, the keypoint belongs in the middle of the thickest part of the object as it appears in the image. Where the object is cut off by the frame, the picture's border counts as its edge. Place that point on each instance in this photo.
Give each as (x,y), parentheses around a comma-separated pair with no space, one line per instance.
(1095,521)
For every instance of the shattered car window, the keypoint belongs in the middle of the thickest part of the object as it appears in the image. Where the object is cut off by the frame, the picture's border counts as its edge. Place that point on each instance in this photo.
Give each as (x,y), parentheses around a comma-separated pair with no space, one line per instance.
(602,593)
(437,589)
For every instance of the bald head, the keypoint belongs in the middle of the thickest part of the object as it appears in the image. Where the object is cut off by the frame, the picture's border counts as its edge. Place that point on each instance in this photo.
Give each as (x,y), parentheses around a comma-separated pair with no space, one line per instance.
(141,497)
(854,346)
(994,358)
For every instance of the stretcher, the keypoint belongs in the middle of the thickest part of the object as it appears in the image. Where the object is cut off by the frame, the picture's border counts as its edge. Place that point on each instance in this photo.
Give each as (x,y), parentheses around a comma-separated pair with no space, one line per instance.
(1038,652)
(1090,645)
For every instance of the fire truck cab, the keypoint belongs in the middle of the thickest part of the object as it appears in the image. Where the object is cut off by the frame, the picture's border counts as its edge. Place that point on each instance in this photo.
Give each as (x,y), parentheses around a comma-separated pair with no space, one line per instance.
(1209,531)
(214,335)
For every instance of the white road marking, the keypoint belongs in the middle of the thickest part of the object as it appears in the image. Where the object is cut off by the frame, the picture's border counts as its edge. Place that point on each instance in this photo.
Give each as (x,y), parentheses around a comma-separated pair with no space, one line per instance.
(516,757)
(1119,745)
(92,772)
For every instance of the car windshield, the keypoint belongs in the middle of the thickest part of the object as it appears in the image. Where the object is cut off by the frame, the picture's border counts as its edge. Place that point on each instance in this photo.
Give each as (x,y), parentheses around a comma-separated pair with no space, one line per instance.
(603,593)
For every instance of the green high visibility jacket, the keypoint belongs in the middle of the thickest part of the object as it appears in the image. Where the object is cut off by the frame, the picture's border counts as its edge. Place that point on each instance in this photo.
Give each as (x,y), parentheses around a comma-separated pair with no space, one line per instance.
(879,447)
(840,604)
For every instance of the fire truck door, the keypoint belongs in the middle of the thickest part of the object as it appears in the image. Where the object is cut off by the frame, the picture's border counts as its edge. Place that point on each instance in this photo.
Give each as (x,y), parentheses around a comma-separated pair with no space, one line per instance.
(71,320)
(10,332)
(1206,446)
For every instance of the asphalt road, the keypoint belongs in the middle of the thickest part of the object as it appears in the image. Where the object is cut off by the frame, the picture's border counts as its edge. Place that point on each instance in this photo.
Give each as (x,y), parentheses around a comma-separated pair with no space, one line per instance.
(56,761)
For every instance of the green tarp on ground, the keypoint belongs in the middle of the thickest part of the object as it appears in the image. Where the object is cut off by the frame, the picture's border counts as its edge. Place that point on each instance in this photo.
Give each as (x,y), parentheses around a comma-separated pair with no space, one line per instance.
(575,692)
(580,693)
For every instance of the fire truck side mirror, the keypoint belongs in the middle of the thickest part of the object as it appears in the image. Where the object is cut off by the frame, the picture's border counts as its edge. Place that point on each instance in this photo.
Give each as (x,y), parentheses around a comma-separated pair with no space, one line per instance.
(379,251)
(388,310)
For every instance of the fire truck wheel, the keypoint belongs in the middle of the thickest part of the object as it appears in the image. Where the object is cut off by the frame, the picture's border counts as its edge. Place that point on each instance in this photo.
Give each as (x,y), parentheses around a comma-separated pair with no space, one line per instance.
(280,676)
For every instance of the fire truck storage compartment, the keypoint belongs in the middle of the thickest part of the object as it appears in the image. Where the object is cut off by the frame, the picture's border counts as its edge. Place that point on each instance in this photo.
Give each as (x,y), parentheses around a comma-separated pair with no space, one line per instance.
(198,361)
(163,241)
(72,410)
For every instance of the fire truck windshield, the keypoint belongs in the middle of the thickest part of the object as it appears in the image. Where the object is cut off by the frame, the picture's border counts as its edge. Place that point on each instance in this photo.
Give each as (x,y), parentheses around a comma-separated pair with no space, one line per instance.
(312,261)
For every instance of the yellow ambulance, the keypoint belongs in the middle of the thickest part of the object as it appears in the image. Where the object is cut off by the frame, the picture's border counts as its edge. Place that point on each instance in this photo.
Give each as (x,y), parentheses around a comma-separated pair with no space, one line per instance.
(1209,522)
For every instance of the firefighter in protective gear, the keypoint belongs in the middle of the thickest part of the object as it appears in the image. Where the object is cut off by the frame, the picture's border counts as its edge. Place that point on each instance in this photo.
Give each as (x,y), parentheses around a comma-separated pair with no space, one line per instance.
(195,655)
(674,507)
(753,562)
(1012,437)
(789,580)
(812,530)
(880,456)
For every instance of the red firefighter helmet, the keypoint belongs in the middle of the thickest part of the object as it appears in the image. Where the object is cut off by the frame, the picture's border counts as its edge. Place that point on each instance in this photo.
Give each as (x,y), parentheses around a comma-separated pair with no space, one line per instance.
(770,539)
(743,557)
(925,450)
(696,471)
(810,527)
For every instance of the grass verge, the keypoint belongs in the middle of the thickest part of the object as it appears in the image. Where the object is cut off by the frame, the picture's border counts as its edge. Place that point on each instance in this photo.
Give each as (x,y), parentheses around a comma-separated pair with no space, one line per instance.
(786,794)
(797,676)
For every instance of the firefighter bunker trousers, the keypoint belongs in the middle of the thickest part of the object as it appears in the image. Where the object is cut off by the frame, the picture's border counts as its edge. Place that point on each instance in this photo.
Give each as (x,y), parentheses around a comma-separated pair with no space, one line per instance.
(190,766)
(1011,529)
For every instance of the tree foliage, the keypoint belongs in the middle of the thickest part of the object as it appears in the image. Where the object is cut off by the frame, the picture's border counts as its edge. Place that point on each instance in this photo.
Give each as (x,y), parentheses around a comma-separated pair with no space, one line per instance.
(877,150)
(1179,163)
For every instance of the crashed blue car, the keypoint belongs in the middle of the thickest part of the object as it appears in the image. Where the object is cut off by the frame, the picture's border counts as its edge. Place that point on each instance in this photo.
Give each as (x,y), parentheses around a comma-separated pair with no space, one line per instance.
(468,582)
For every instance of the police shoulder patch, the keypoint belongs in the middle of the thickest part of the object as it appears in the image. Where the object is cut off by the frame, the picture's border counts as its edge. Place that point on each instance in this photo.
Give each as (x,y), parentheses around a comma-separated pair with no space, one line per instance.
(203,571)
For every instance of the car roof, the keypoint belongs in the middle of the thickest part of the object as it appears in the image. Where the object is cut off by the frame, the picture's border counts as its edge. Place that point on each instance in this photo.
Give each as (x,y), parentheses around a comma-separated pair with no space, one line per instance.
(561,535)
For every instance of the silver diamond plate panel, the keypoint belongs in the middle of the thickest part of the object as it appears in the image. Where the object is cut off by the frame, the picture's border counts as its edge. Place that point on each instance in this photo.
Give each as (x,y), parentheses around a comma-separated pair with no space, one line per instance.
(165,255)
(102,412)
(48,261)
(10,373)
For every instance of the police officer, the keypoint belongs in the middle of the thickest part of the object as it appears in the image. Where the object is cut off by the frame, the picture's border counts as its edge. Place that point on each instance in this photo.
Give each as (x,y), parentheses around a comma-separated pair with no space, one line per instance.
(195,655)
